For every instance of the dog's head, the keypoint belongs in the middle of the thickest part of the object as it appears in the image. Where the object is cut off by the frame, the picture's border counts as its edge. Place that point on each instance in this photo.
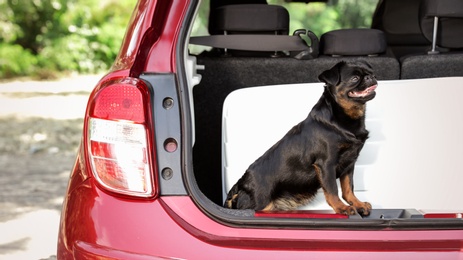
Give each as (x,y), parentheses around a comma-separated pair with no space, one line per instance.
(351,85)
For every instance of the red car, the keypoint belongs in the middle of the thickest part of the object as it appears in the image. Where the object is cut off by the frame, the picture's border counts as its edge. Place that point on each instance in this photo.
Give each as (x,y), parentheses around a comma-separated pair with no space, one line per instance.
(169,130)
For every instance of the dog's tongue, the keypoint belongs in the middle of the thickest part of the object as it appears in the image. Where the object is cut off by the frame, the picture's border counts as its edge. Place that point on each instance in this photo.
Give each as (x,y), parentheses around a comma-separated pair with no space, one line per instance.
(363,93)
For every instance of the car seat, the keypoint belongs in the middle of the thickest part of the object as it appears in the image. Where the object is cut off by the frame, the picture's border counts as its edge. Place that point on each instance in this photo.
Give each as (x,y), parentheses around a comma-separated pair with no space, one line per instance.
(398,20)
(359,44)
(441,24)
(255,30)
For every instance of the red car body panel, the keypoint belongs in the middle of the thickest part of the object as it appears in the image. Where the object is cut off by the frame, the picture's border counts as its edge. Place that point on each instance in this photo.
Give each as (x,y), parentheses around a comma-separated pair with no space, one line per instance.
(174,227)
(149,44)
(97,224)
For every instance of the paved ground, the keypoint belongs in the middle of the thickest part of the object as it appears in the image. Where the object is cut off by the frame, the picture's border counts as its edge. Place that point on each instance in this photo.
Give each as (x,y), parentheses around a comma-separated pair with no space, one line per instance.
(40,129)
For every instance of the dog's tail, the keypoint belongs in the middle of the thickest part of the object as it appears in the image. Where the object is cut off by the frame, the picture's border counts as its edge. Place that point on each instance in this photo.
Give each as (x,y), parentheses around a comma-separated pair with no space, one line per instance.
(237,199)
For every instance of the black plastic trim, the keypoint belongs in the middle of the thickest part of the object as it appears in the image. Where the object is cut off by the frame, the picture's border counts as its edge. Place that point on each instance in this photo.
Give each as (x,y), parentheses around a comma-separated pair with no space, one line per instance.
(166,114)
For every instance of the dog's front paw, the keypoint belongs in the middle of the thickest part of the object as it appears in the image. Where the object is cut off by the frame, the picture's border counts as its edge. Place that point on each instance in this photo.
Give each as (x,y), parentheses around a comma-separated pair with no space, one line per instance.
(346,210)
(363,208)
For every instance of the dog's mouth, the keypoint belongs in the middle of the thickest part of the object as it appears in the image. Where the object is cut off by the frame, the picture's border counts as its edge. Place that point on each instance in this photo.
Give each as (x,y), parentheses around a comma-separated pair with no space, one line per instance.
(362,93)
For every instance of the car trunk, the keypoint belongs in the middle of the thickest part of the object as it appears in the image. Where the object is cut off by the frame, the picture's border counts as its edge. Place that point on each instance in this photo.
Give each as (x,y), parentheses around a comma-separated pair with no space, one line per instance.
(409,168)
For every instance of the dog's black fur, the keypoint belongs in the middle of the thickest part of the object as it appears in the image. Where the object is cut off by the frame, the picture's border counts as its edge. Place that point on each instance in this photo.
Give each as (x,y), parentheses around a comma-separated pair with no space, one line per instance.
(317,151)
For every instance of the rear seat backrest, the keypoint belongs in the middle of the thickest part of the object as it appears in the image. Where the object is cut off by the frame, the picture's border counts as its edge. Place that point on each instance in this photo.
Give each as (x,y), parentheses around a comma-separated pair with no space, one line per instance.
(447,15)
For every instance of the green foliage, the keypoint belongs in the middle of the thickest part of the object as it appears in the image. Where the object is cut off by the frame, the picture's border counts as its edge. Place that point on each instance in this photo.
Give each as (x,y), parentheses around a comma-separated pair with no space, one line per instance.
(15,61)
(60,35)
(355,13)
(317,17)
(36,21)
(335,14)
(67,53)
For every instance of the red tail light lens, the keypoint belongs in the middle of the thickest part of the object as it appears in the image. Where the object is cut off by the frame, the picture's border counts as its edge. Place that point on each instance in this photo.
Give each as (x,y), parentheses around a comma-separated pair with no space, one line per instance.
(118,139)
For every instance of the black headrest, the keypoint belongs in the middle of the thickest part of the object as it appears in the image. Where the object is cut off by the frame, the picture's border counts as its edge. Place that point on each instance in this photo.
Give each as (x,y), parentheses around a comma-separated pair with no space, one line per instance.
(249,18)
(353,42)
(450,26)
(399,20)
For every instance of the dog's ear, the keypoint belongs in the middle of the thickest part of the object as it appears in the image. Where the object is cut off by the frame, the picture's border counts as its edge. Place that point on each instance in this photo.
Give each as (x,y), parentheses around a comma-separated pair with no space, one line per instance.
(332,76)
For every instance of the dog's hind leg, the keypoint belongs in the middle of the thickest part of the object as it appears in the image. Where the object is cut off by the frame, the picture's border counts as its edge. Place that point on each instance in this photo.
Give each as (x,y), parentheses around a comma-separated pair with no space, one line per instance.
(230,201)
(238,199)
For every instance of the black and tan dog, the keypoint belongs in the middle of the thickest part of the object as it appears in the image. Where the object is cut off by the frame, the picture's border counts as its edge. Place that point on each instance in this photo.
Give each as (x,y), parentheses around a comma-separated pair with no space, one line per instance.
(317,151)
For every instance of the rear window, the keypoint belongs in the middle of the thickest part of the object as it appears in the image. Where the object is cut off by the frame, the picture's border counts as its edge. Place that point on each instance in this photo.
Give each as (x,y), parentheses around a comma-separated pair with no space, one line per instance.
(319,17)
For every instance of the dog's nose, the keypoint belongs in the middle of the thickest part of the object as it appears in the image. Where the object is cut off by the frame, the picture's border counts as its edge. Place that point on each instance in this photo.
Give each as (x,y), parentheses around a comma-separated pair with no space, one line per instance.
(369,78)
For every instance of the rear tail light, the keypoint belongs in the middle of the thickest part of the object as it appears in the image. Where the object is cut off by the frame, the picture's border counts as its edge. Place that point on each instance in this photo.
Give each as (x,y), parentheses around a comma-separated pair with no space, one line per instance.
(118,137)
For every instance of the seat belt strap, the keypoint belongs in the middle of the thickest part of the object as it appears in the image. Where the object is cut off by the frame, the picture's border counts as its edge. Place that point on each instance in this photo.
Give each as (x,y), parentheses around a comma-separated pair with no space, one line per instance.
(252,42)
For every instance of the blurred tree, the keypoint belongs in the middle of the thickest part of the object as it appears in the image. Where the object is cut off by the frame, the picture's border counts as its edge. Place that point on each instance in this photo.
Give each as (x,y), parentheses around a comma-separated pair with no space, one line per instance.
(95,30)
(335,14)
(36,22)
(355,13)
(60,35)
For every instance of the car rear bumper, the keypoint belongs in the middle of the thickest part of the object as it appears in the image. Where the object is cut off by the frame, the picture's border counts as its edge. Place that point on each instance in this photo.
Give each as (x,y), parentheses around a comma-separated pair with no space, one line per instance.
(82,250)
(99,225)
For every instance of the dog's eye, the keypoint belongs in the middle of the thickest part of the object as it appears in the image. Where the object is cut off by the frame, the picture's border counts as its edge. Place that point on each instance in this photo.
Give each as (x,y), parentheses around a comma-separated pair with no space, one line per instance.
(355,78)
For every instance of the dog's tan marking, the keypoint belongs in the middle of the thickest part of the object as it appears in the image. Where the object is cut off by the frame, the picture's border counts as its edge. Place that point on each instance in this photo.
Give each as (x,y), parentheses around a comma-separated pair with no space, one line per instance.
(288,203)
(291,203)
(230,201)
(353,110)
(347,192)
(339,207)
(318,171)
(344,146)
(269,207)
